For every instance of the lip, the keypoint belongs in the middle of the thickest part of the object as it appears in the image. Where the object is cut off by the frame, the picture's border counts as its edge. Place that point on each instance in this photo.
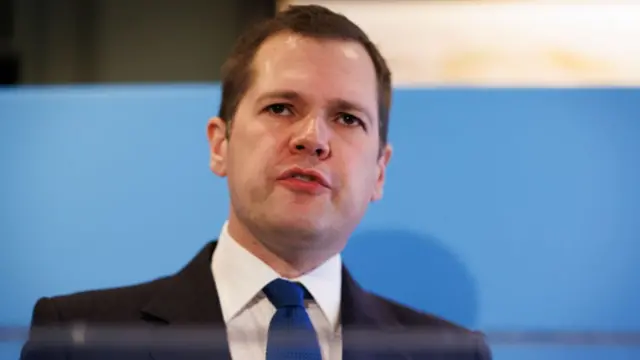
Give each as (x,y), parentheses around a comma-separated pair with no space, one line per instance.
(318,176)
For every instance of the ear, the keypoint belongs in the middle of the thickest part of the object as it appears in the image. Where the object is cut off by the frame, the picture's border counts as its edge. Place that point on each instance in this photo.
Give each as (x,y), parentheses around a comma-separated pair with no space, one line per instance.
(383,161)
(218,143)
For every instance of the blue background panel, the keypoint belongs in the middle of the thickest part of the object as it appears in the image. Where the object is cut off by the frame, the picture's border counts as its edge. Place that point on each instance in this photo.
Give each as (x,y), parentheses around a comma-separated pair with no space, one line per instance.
(505,209)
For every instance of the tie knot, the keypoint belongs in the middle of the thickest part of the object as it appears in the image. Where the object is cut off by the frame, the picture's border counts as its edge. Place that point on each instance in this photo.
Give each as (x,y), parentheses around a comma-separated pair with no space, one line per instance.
(283,293)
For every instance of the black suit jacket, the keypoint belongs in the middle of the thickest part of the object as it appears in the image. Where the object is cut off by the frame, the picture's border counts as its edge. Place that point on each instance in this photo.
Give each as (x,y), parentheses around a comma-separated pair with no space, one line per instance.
(372,327)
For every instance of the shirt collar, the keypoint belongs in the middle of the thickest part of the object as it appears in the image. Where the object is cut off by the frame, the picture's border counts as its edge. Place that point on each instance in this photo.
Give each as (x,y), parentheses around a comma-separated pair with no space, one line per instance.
(231,262)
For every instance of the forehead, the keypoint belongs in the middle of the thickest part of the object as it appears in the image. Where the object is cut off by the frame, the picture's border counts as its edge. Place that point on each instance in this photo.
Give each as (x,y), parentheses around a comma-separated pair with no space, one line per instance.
(318,69)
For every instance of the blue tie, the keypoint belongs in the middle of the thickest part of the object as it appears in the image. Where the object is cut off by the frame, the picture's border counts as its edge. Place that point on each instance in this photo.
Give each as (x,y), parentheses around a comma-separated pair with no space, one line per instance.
(291,334)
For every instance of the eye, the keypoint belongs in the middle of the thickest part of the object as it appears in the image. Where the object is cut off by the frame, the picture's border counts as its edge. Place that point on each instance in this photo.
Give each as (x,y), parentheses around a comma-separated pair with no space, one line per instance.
(350,120)
(279,109)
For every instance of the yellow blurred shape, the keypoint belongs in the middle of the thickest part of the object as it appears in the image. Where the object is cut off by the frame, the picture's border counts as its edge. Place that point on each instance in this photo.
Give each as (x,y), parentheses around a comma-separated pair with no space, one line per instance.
(502,43)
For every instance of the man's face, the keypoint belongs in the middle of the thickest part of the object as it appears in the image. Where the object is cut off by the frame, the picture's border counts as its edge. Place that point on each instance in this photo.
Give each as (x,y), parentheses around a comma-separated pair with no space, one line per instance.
(303,155)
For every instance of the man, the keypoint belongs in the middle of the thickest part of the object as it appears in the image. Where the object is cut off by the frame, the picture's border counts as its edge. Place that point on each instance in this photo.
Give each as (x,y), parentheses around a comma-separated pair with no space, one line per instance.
(301,137)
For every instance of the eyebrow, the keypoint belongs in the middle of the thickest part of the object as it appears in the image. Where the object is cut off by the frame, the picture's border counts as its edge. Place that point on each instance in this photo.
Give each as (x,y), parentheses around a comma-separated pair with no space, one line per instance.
(284,94)
(338,103)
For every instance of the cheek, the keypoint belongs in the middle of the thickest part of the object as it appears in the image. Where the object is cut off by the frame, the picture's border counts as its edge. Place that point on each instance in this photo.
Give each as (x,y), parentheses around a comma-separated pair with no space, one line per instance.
(362,174)
(251,152)
(246,161)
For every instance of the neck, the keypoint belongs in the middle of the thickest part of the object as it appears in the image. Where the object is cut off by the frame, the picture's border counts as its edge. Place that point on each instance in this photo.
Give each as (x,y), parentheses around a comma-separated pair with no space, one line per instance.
(288,261)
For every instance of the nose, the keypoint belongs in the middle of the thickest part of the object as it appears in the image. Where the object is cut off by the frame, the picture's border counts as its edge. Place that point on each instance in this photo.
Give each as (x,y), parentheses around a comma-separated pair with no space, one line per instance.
(311,137)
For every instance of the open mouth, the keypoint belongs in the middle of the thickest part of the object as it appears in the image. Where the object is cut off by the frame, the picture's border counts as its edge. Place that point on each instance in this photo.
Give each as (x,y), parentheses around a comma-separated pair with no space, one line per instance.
(305,180)
(305,177)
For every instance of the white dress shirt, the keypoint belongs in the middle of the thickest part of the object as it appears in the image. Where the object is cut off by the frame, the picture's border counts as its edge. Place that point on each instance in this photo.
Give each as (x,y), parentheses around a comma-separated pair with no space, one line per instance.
(240,277)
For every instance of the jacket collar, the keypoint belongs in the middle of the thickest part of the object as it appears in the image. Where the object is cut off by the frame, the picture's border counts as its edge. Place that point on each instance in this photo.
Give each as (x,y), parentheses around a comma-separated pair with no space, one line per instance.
(190,298)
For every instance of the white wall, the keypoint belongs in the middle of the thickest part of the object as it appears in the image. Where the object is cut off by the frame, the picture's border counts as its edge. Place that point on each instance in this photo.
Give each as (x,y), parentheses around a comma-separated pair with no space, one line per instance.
(502,42)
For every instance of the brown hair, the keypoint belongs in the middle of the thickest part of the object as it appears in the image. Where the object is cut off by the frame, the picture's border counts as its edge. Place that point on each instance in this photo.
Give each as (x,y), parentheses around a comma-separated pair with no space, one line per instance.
(308,20)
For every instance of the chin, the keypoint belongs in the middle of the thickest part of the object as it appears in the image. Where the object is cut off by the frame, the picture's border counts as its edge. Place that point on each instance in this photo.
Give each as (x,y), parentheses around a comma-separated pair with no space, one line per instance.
(302,224)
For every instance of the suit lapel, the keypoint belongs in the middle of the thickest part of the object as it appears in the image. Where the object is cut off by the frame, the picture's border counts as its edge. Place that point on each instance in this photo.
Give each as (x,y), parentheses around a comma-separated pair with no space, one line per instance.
(189,306)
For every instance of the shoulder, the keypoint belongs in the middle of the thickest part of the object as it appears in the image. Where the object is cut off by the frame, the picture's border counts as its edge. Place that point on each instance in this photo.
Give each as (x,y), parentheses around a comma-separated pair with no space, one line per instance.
(441,329)
(99,305)
(127,303)
(407,316)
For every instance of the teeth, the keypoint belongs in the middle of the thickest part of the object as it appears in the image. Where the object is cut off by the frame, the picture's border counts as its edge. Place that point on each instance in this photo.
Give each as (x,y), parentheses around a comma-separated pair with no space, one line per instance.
(303,177)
